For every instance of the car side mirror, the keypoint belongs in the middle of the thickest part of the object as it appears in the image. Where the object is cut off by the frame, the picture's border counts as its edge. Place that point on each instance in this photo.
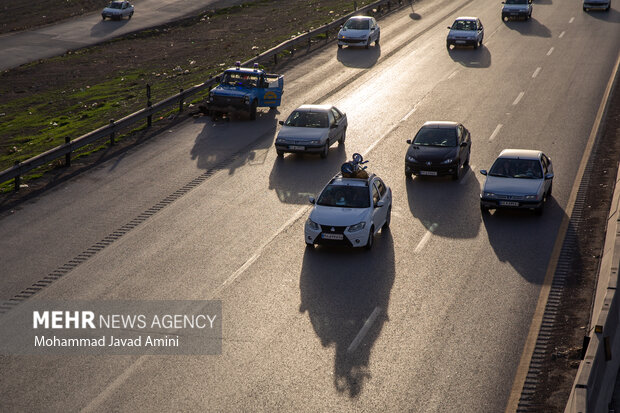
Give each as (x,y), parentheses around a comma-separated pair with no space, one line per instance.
(483,171)
(549,176)
(281,122)
(409,141)
(449,27)
(311,199)
(463,144)
(379,204)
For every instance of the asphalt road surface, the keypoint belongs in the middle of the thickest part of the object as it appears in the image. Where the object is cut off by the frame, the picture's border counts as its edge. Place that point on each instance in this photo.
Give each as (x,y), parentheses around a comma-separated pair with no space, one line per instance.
(89,29)
(451,293)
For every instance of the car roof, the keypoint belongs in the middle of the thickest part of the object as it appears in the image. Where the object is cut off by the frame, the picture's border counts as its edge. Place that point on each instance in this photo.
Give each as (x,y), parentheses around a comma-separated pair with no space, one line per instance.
(440,124)
(520,153)
(246,70)
(466,18)
(314,108)
(340,180)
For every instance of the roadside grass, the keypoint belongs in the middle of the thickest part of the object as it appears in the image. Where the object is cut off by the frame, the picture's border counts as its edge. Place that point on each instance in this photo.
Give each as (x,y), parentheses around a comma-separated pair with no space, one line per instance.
(47,103)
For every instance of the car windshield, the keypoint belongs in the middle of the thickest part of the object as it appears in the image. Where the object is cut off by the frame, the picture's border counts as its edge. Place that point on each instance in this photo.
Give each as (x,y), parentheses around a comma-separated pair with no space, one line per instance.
(357,24)
(464,25)
(115,5)
(436,137)
(516,168)
(305,119)
(516,1)
(345,196)
(239,79)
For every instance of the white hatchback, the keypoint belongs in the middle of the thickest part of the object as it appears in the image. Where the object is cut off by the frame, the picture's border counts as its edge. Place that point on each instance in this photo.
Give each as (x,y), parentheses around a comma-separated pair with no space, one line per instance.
(349,212)
(116,10)
(359,31)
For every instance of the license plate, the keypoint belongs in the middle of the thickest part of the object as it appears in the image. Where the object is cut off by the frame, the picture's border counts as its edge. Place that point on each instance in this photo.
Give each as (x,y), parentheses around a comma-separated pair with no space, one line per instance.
(514,14)
(297,148)
(337,237)
(429,173)
(508,203)
(460,41)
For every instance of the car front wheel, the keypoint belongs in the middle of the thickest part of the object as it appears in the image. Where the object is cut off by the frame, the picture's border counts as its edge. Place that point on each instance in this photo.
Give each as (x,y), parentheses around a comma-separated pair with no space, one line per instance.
(325,150)
(367,43)
(253,111)
(388,219)
(484,209)
(342,137)
(371,236)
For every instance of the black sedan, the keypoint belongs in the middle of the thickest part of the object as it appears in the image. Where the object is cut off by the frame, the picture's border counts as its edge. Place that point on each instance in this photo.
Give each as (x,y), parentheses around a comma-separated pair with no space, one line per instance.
(439,148)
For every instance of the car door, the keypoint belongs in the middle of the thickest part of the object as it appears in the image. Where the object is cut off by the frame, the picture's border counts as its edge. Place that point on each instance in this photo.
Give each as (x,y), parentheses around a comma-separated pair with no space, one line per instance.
(547,169)
(333,128)
(480,32)
(379,193)
(375,32)
(339,122)
(462,142)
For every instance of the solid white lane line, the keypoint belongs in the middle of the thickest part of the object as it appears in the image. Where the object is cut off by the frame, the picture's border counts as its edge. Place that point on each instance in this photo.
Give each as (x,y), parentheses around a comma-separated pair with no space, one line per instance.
(495,132)
(452,74)
(561,35)
(518,99)
(550,51)
(572,19)
(362,333)
(425,238)
(409,114)
(536,72)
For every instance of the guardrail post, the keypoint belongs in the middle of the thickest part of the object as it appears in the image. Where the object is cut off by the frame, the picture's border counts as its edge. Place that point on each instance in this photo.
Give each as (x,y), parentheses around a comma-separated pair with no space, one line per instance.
(113,134)
(68,154)
(275,58)
(149,119)
(17,179)
(326,35)
(354,5)
(309,40)
(181,100)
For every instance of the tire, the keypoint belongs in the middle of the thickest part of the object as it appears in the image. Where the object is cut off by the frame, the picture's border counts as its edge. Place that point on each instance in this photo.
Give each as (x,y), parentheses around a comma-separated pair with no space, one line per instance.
(388,219)
(342,137)
(378,37)
(325,150)
(339,46)
(457,174)
(539,211)
(367,44)
(466,163)
(309,246)
(549,191)
(371,237)
(484,209)
(129,17)
(253,111)
(280,153)
(102,17)
(608,6)
(408,175)
(476,45)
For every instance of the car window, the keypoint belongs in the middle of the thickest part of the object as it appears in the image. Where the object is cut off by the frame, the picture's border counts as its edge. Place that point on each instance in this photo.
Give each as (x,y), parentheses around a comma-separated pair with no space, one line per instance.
(239,79)
(357,24)
(516,168)
(336,114)
(380,187)
(436,137)
(375,195)
(545,164)
(464,25)
(460,133)
(344,196)
(516,1)
(305,119)
(330,115)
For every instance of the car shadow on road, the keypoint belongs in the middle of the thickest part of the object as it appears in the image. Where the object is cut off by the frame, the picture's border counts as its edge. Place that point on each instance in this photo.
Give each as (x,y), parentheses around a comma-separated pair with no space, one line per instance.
(106,27)
(531,27)
(415,16)
(359,56)
(298,176)
(611,16)
(518,237)
(427,196)
(543,2)
(340,290)
(470,57)
(228,143)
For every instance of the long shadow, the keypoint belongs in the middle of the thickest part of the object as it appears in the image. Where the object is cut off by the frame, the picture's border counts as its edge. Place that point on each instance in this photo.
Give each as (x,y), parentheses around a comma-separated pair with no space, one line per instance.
(213,145)
(415,16)
(611,16)
(298,176)
(359,57)
(519,236)
(106,27)
(531,27)
(543,2)
(427,196)
(469,57)
(340,289)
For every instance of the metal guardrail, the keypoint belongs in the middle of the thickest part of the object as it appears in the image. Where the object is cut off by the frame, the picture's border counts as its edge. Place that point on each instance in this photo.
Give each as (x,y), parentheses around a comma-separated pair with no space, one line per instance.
(115,126)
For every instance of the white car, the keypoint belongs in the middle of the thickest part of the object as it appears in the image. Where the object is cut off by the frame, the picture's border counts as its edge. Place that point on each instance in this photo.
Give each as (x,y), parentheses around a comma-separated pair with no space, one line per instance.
(359,31)
(349,212)
(519,178)
(116,10)
(312,129)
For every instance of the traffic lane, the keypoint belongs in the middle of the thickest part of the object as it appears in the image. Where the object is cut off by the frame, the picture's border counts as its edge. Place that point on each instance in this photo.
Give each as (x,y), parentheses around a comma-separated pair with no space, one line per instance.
(54,228)
(86,30)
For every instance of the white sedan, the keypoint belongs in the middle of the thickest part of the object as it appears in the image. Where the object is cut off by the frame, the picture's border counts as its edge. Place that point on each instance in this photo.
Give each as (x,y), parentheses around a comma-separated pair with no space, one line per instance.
(116,10)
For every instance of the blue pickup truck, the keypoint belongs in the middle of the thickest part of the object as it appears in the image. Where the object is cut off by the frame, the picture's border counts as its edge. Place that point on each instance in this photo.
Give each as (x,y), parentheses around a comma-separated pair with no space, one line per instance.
(245,89)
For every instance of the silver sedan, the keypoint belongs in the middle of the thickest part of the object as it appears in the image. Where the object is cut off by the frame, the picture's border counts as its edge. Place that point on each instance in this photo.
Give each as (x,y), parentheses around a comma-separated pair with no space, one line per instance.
(519,178)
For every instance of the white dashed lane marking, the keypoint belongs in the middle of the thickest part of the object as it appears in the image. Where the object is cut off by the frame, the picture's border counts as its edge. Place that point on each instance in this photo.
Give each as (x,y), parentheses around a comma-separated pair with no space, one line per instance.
(453,74)
(425,238)
(495,132)
(536,72)
(550,51)
(362,333)
(518,99)
(572,19)
(561,35)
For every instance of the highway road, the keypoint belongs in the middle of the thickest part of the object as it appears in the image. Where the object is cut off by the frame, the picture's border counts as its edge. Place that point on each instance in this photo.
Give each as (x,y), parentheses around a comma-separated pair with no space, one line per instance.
(86,30)
(452,294)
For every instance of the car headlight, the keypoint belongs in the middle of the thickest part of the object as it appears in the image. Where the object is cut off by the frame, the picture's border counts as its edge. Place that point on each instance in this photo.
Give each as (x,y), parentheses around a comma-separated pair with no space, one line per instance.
(530,197)
(489,195)
(357,227)
(315,141)
(447,161)
(411,158)
(280,140)
(313,225)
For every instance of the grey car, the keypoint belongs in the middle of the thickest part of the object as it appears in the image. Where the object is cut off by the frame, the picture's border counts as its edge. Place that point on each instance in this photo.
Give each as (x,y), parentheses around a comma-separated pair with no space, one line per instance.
(519,178)
(359,31)
(596,5)
(516,9)
(312,129)
(465,31)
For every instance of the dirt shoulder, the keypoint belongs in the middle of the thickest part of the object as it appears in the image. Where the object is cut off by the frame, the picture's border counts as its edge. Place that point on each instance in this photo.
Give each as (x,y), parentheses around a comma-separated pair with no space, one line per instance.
(24,15)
